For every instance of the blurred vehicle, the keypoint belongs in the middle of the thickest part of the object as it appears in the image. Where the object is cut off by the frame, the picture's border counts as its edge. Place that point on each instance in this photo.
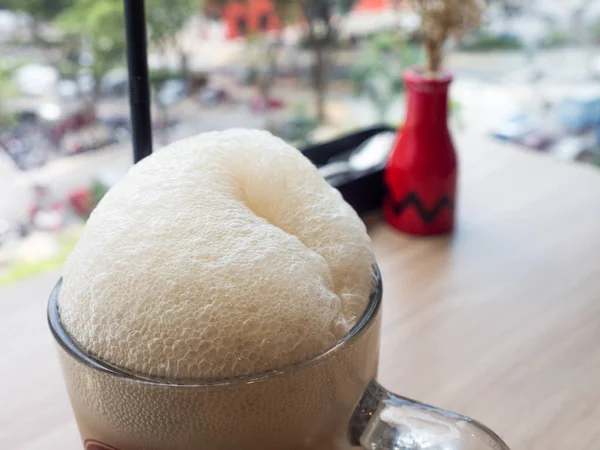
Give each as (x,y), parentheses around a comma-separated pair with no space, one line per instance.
(26,143)
(86,139)
(580,110)
(514,128)
(537,140)
(259,103)
(119,126)
(38,134)
(171,91)
(213,96)
(67,122)
(23,150)
(27,116)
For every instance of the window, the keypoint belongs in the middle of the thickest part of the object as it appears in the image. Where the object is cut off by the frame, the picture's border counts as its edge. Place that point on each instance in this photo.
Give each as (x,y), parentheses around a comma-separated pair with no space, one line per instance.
(263,22)
(242,25)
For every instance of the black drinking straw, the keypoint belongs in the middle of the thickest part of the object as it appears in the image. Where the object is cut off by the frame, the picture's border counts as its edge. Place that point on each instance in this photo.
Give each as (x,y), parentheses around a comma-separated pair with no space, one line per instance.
(139,90)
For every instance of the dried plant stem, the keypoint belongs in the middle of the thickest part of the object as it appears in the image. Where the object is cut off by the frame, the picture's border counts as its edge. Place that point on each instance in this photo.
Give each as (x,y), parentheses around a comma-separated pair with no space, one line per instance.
(434,54)
(441,19)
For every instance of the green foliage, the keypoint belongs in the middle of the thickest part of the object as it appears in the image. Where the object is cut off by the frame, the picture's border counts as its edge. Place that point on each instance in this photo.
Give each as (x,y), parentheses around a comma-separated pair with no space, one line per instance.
(298,128)
(158,76)
(286,10)
(100,25)
(38,9)
(6,84)
(483,41)
(67,68)
(165,19)
(378,72)
(556,38)
(6,120)
(594,30)
(98,191)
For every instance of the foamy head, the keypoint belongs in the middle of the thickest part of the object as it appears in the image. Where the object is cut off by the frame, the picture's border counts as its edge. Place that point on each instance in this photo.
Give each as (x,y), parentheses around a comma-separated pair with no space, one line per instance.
(221,255)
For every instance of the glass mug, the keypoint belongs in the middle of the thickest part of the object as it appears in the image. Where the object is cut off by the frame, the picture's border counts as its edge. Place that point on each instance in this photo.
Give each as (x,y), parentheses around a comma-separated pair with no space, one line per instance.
(329,402)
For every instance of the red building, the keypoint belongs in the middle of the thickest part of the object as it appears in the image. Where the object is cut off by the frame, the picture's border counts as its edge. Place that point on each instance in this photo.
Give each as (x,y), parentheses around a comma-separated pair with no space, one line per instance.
(245,17)
(372,5)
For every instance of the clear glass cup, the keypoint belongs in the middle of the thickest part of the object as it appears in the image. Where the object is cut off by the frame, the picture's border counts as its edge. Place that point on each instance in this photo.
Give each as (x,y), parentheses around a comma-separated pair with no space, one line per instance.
(329,402)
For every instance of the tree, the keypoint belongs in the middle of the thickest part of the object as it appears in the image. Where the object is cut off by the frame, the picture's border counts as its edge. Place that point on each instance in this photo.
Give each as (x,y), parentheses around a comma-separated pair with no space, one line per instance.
(377,73)
(165,21)
(99,27)
(322,21)
(38,10)
(262,57)
(264,51)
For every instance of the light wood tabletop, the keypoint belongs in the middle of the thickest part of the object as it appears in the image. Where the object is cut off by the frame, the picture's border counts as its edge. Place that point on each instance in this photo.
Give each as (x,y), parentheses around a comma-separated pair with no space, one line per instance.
(500,321)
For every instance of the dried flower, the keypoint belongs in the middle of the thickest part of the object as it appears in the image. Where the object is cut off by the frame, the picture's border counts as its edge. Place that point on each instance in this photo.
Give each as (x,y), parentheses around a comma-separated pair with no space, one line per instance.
(441,19)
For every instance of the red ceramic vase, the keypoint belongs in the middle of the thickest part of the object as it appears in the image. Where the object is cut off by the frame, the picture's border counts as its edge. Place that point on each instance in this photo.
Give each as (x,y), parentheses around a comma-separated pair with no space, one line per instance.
(421,172)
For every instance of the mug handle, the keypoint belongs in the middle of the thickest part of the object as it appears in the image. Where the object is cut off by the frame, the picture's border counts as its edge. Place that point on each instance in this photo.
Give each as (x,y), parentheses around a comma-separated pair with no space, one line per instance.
(385,421)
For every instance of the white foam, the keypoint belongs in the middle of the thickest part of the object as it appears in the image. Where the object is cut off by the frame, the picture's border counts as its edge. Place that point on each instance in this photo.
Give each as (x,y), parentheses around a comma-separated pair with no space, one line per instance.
(220,255)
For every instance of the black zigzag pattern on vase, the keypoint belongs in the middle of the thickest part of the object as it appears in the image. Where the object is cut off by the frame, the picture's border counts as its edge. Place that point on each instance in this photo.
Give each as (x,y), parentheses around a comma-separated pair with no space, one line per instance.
(427,215)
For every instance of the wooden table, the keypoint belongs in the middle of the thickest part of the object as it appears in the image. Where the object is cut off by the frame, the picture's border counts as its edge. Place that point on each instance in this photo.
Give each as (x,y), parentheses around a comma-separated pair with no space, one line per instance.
(501,321)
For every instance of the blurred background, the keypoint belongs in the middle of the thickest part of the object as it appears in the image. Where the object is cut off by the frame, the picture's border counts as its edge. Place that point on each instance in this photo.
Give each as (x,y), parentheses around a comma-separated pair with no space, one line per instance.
(306,70)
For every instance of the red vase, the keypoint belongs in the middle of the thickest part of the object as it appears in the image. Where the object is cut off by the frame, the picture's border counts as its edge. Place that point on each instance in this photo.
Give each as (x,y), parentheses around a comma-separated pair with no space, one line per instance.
(421,172)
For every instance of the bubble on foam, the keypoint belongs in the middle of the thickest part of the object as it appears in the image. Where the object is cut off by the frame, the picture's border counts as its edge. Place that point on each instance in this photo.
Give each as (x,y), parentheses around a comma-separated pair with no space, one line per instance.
(220,255)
